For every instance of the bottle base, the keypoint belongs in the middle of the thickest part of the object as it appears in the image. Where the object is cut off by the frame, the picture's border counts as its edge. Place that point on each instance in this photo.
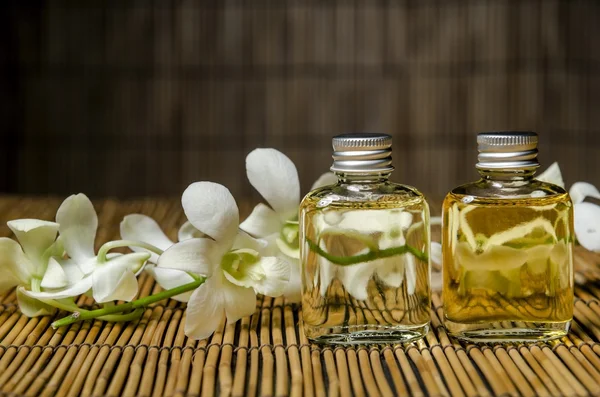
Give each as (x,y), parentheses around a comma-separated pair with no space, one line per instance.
(507,331)
(365,335)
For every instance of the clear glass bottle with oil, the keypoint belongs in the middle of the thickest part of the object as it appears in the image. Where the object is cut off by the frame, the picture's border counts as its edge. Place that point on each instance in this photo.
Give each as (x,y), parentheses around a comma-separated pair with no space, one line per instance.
(507,248)
(364,250)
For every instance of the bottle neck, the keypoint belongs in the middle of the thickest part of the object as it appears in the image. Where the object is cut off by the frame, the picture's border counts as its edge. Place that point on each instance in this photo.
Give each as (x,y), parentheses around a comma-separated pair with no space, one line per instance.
(507,175)
(366,178)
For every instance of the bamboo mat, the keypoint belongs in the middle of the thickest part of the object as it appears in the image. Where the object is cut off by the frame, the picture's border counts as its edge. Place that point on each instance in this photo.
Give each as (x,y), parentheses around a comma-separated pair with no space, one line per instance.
(267,354)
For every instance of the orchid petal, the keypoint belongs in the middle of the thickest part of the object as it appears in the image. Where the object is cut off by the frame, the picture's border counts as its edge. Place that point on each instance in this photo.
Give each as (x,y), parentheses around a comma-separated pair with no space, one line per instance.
(293,288)
(327,272)
(197,255)
(17,269)
(78,223)
(537,258)
(277,273)
(520,230)
(172,278)
(275,177)
(142,228)
(71,269)
(328,178)
(496,257)
(369,221)
(211,208)
(391,271)
(244,240)
(436,253)
(188,231)
(35,236)
(262,222)
(115,279)
(580,190)
(552,175)
(410,274)
(125,289)
(238,301)
(32,307)
(587,225)
(88,266)
(561,253)
(205,309)
(286,249)
(55,276)
(80,287)
(355,279)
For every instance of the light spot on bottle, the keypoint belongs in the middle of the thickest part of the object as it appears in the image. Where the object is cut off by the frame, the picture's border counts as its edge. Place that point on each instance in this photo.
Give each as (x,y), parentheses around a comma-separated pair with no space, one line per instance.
(468,199)
(538,193)
(324,202)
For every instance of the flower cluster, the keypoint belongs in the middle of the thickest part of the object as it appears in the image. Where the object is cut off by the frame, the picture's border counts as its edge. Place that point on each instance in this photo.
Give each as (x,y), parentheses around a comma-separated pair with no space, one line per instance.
(218,266)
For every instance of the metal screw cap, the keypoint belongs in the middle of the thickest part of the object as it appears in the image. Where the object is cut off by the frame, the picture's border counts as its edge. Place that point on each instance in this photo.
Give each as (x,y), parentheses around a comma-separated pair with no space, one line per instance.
(362,153)
(507,150)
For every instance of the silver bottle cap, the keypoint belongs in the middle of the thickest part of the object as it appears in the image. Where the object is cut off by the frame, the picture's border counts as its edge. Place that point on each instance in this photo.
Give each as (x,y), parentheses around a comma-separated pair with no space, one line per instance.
(362,153)
(507,149)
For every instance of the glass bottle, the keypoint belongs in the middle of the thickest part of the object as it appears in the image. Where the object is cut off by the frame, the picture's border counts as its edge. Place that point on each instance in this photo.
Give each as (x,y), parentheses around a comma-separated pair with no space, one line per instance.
(507,248)
(364,250)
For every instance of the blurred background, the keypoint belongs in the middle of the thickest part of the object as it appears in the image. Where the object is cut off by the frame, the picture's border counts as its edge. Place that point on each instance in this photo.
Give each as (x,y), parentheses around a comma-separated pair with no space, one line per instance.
(140,98)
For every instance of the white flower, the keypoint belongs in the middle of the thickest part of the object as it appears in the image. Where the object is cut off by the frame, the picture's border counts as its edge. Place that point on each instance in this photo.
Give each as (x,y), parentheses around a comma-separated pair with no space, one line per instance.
(552,175)
(436,254)
(24,265)
(113,279)
(586,214)
(138,227)
(230,259)
(275,177)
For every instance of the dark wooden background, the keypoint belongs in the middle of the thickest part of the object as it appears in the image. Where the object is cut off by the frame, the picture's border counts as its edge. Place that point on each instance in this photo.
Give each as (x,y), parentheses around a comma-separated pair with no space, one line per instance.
(134,98)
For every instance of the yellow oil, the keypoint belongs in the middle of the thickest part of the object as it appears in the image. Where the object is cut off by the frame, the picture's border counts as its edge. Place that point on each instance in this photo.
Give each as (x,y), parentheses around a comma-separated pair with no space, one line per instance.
(360,284)
(508,267)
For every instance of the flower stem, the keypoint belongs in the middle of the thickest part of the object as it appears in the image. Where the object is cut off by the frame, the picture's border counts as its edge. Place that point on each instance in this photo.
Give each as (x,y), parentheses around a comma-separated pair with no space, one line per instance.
(369,256)
(134,315)
(125,243)
(126,308)
(109,317)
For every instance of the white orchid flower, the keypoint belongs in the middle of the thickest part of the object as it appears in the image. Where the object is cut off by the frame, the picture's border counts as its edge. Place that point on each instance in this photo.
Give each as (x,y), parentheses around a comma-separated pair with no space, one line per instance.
(275,177)
(230,259)
(138,227)
(552,175)
(110,278)
(25,264)
(586,214)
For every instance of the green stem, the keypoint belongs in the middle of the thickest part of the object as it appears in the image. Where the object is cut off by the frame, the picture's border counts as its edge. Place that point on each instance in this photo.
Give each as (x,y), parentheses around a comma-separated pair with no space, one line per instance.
(129,306)
(103,251)
(134,315)
(369,256)
(109,317)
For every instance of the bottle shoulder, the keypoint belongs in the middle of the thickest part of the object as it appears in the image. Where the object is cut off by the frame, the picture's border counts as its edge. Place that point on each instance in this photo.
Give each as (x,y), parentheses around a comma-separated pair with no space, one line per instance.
(510,190)
(353,193)
(485,188)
